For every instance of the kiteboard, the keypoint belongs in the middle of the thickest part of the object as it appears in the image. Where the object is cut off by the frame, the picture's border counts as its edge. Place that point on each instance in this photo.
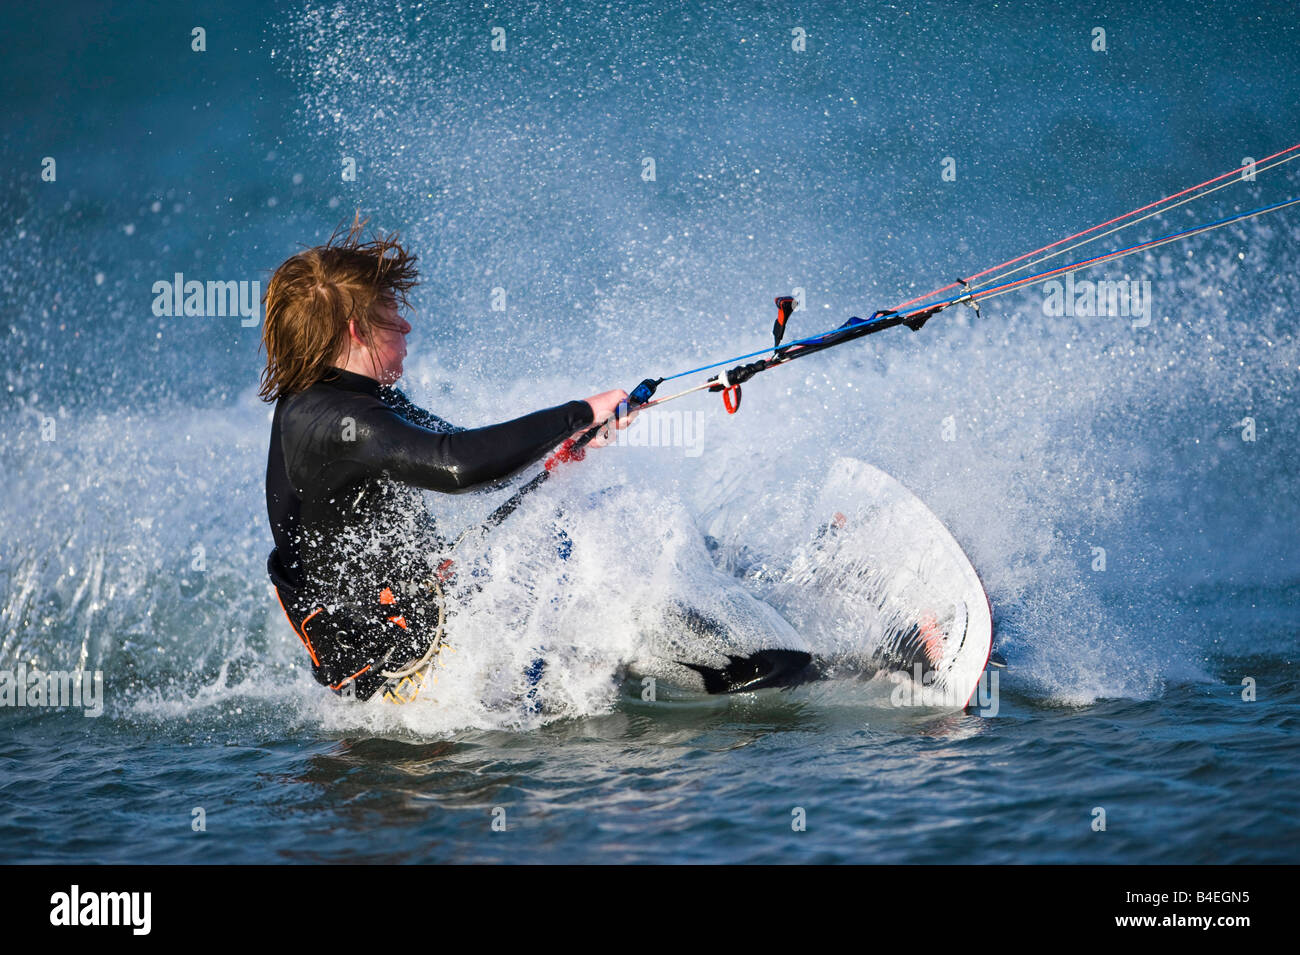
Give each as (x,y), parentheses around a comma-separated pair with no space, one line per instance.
(883,589)
(880,590)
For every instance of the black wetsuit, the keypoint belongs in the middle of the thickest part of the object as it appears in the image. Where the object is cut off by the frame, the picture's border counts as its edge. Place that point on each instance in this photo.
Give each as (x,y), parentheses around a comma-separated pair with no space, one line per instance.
(354,544)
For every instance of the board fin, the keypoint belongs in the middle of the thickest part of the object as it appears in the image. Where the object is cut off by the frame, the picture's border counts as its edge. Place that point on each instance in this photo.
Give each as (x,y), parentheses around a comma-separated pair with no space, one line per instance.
(761,670)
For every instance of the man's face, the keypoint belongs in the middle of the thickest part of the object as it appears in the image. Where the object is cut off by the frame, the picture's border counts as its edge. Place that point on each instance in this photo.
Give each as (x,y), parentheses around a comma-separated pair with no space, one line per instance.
(388,341)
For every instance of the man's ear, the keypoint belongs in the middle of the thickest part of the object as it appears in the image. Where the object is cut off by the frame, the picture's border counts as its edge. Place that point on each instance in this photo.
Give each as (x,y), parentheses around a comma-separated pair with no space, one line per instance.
(358,342)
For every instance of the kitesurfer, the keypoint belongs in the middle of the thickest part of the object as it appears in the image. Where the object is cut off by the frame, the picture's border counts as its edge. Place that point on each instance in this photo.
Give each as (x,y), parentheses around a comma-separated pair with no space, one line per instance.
(355,548)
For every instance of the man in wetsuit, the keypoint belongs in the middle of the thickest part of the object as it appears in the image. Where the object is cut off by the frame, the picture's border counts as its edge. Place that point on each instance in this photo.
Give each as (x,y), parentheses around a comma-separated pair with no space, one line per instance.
(355,548)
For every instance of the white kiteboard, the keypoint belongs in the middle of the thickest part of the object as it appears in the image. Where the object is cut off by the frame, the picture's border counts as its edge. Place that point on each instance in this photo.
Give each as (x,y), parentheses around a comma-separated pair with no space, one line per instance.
(879,591)
(883,590)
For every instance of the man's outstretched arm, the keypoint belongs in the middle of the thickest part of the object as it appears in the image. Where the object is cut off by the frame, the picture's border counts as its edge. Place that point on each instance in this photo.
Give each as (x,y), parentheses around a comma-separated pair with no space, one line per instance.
(387,443)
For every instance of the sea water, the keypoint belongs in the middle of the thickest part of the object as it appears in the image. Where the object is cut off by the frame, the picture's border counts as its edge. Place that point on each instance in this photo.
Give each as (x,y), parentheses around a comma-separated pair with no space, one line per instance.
(601,193)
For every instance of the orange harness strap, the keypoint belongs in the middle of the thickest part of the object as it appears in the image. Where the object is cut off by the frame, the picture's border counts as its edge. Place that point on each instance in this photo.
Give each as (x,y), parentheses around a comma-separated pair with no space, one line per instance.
(301,635)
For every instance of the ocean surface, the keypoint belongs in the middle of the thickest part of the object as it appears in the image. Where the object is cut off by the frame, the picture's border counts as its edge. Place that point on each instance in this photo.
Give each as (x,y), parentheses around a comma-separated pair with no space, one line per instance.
(1125,486)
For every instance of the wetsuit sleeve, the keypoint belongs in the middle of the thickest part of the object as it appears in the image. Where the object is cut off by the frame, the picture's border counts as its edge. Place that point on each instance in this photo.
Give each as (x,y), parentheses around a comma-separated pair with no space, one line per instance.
(409,410)
(389,444)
